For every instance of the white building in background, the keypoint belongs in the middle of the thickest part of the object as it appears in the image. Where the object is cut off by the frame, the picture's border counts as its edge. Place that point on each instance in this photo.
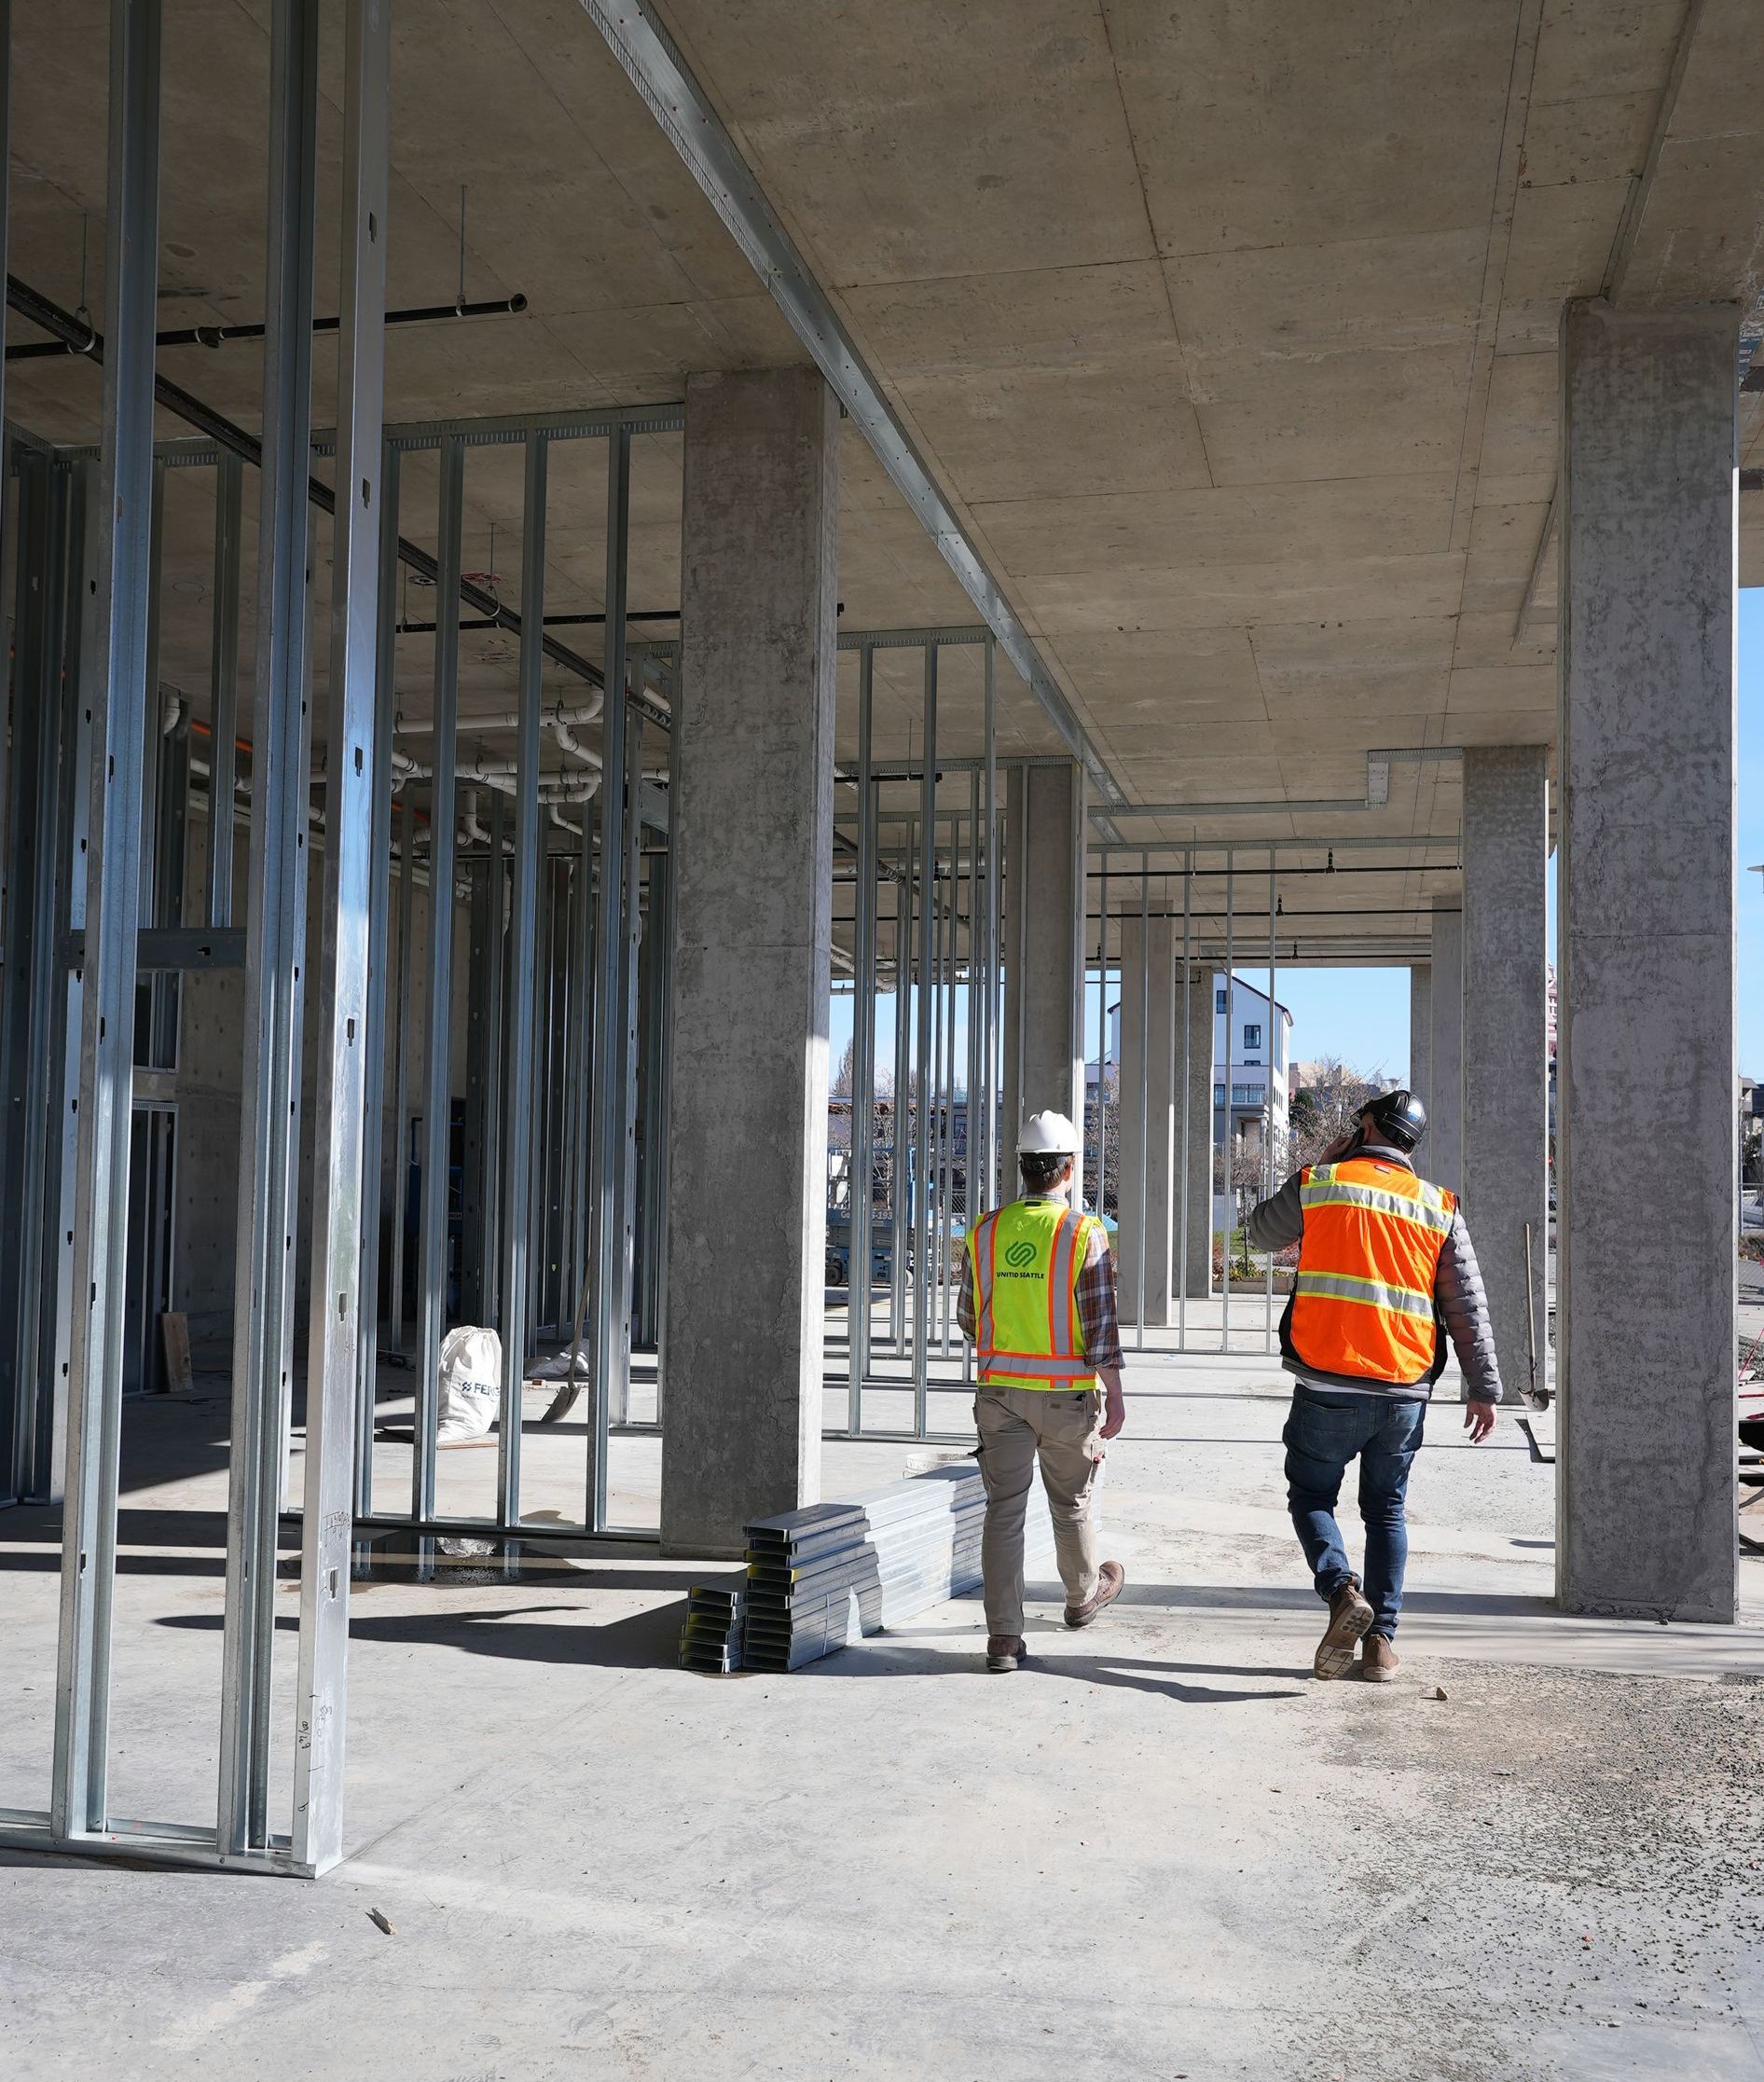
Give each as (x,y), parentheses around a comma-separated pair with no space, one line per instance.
(1252,1054)
(1254,1041)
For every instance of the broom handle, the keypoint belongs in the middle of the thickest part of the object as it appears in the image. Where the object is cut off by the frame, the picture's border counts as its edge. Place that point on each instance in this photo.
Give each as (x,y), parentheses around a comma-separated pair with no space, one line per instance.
(565,1399)
(1537,1399)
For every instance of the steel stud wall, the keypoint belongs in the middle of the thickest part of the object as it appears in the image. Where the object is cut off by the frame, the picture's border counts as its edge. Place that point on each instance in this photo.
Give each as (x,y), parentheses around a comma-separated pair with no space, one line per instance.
(569,983)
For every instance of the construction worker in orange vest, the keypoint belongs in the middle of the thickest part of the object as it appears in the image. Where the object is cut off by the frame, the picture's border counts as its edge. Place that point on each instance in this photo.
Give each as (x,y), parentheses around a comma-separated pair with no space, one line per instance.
(1039,1302)
(1385,1267)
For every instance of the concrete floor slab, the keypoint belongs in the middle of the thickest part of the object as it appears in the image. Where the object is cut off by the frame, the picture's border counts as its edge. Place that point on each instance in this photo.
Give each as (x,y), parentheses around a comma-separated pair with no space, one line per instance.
(1161,1850)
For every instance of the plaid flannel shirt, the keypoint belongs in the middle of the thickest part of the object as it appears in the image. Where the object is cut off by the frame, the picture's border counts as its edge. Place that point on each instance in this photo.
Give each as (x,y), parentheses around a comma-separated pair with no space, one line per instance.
(1097,1311)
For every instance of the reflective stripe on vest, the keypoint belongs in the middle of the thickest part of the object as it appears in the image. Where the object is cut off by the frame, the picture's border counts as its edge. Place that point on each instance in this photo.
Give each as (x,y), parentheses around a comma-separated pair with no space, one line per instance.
(1375,1293)
(1362,1300)
(1025,1261)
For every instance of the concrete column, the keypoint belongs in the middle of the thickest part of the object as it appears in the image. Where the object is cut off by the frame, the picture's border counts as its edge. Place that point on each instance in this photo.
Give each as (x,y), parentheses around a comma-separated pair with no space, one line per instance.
(1043,945)
(1420,1029)
(1506,1045)
(1198,1185)
(1147,1201)
(1442,1152)
(1646,1130)
(753,859)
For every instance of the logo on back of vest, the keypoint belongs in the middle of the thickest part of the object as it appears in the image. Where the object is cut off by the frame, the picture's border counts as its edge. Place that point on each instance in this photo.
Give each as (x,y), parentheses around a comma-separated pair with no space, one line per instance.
(1021,1253)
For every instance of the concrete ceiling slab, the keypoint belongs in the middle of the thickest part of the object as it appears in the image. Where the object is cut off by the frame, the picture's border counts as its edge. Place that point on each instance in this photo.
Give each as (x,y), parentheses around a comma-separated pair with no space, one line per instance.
(1237,148)
(1176,684)
(1520,432)
(1491,639)
(1600,136)
(1270,419)
(1699,232)
(1397,666)
(1752,542)
(1369,516)
(1231,333)
(1318,727)
(1041,317)
(1503,549)
(1116,418)
(1167,743)
(1561,246)
(1504,726)
(1590,49)
(910,139)
(1206,595)
(645,353)
(1401,294)
(1502,687)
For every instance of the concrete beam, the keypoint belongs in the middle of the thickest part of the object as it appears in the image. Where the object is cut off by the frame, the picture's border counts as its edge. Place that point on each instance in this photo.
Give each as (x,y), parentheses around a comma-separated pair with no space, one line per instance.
(753,848)
(1148,1109)
(1646,1129)
(1506,1042)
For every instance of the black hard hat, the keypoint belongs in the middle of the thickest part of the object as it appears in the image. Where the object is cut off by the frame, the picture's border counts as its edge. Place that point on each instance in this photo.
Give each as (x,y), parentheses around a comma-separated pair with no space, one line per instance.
(1398,1115)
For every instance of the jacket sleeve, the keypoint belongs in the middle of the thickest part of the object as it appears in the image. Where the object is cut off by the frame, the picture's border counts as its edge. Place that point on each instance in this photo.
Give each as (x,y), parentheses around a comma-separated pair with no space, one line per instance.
(1277,1221)
(1464,1305)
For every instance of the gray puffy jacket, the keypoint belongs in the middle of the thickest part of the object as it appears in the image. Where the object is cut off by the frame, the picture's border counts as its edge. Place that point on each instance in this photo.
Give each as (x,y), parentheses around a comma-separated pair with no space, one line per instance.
(1458,1293)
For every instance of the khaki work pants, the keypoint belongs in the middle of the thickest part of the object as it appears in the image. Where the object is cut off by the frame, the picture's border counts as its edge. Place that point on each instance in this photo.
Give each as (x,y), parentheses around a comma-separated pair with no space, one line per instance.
(1064,1431)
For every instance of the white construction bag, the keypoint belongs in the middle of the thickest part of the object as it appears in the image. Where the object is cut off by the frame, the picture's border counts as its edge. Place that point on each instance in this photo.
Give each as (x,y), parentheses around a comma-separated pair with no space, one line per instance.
(471,1384)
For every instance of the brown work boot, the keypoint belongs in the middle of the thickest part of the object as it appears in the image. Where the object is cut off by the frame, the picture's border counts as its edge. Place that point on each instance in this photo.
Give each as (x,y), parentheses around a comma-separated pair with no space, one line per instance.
(1004,1651)
(1110,1578)
(1378,1662)
(1349,1617)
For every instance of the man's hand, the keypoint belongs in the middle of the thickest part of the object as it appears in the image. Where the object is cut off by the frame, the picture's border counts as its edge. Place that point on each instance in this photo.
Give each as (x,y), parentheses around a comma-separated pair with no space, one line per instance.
(1341,1146)
(1479,1421)
(1114,1403)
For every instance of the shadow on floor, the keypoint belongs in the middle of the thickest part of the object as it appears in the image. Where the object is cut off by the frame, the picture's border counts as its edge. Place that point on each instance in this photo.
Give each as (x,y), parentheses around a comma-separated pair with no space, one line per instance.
(642,1640)
(1263,1597)
(886,1658)
(48,1562)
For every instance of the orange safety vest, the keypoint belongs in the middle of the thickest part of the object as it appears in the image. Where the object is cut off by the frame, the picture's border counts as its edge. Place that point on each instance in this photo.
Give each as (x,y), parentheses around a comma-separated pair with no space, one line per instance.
(1025,1261)
(1362,1300)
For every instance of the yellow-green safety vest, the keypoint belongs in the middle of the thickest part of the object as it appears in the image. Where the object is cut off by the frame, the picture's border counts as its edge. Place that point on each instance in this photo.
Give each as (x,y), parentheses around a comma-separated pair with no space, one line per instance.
(1025,1261)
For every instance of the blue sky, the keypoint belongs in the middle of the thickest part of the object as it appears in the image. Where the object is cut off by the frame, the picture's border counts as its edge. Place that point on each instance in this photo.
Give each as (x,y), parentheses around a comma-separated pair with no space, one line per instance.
(1362,1014)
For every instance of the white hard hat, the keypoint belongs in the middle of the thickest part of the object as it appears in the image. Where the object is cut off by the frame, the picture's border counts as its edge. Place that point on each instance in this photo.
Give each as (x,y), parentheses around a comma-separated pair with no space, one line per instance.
(1048,1135)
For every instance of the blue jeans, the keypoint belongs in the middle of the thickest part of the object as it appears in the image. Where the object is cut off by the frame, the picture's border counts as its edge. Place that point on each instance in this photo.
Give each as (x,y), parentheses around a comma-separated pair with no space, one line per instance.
(1325,1429)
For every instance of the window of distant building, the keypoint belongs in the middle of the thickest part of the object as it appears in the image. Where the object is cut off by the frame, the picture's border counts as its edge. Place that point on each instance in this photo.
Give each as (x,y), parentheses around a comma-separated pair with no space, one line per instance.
(1252,1034)
(1220,1003)
(1219,1094)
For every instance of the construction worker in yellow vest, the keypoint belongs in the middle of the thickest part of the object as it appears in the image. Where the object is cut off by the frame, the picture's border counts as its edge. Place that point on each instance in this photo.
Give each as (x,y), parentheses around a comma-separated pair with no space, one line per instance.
(1038,1303)
(1385,1272)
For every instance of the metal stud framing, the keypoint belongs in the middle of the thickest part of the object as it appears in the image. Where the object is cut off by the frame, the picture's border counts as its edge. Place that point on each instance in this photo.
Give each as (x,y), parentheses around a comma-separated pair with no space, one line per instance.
(115,699)
(569,1039)
(928,886)
(352,784)
(268,1167)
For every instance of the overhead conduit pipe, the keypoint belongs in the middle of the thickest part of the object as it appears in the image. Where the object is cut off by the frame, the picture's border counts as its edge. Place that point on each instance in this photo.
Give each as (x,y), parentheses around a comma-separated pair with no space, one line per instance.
(65,326)
(565,712)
